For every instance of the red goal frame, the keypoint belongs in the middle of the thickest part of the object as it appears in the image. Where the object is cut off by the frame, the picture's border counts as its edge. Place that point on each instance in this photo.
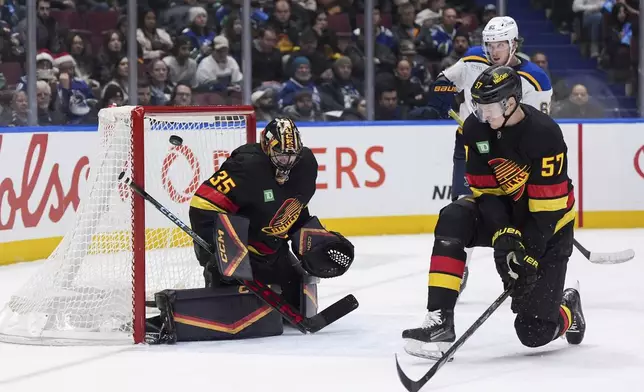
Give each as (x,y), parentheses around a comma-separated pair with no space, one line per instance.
(138,203)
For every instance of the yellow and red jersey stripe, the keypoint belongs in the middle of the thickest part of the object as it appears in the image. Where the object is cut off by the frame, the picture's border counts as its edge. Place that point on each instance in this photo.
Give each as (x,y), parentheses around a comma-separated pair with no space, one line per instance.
(207,198)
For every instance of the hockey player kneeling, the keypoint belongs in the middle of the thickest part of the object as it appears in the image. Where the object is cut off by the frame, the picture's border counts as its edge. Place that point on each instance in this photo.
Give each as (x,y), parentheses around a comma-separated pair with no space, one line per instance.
(521,206)
(249,210)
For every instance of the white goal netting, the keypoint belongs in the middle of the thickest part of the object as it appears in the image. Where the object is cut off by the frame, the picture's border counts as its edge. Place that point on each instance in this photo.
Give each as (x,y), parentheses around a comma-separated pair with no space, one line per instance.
(83,293)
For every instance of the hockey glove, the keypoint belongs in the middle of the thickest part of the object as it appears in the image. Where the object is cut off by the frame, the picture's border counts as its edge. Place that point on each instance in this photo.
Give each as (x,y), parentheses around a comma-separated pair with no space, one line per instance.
(441,96)
(517,269)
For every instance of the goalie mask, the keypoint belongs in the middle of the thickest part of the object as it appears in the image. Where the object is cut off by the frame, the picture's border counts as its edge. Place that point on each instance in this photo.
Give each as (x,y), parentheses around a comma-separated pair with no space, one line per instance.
(281,142)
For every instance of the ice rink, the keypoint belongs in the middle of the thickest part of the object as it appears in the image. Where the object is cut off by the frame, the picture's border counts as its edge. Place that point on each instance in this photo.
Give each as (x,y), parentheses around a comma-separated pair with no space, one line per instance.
(389,278)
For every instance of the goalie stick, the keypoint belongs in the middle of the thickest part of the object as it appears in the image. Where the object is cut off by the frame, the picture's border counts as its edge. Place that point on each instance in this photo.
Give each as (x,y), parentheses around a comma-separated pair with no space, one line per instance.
(594,257)
(414,386)
(313,324)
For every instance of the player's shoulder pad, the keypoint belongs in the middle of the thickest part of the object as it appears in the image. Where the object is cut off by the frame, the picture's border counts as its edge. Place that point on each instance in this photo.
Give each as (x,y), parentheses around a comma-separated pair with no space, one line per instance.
(308,164)
(545,135)
(534,75)
(475,54)
(471,128)
(245,158)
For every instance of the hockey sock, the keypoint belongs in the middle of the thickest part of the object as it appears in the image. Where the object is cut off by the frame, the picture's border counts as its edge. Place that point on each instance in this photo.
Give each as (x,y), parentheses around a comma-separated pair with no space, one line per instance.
(565,320)
(445,274)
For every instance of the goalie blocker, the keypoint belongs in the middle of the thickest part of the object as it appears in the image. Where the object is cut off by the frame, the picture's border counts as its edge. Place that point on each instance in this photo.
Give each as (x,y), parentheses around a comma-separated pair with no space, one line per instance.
(224,311)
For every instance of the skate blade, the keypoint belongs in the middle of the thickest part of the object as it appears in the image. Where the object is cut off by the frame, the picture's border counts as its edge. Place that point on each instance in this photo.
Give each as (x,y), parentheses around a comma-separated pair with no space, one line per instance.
(431,351)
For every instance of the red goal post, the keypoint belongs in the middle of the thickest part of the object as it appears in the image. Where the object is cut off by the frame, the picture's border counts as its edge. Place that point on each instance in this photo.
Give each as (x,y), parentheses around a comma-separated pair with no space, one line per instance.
(138,176)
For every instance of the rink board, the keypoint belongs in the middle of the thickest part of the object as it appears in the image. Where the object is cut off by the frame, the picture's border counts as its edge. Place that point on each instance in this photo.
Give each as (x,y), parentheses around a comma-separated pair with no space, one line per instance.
(373,178)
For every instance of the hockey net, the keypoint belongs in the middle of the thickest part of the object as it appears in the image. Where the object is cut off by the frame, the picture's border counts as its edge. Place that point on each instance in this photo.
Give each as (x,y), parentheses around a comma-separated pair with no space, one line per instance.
(121,251)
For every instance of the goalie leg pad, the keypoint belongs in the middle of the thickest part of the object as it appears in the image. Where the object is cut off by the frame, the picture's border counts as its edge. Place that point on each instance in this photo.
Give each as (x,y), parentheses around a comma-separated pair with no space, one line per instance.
(231,252)
(222,313)
(325,254)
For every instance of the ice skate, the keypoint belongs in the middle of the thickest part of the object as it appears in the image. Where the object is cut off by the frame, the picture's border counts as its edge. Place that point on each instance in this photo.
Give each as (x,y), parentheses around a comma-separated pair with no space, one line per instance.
(433,338)
(572,300)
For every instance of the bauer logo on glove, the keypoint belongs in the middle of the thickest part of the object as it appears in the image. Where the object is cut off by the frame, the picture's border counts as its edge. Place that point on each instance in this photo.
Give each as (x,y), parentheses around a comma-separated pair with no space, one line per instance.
(325,254)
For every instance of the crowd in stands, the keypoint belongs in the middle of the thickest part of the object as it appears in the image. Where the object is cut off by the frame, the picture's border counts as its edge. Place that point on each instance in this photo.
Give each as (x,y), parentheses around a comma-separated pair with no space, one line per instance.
(606,31)
(308,56)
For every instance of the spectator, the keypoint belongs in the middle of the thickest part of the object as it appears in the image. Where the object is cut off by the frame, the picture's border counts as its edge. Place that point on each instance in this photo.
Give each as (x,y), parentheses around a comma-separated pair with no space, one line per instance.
(120,77)
(160,87)
(46,114)
(303,108)
(233,32)
(18,115)
(384,58)
(143,93)
(435,42)
(342,89)
(111,53)
(79,49)
(383,35)
(287,31)
(219,71)
(155,42)
(560,90)
(407,51)
(618,43)
(592,21)
(182,95)
(10,47)
(356,112)
(301,79)
(409,91)
(430,15)
(476,37)
(406,27)
(199,33)
(461,45)
(181,67)
(265,104)
(73,91)
(267,60)
(44,70)
(578,105)
(113,96)
(388,108)
(320,64)
(47,30)
(326,38)
(174,18)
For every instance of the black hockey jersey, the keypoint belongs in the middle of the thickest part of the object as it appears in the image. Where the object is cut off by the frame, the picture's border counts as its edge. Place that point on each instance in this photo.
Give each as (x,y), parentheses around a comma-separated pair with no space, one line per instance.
(519,176)
(245,185)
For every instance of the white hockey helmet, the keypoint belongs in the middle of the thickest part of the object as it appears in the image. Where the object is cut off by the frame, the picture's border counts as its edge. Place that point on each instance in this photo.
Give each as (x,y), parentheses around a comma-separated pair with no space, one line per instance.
(499,29)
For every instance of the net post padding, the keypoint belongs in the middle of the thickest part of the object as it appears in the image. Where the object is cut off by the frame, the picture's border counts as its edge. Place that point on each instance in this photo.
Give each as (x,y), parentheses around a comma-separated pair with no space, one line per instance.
(119,252)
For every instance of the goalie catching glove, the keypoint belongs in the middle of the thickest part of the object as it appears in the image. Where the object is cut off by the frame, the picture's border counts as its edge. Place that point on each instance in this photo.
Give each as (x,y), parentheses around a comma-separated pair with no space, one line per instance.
(325,254)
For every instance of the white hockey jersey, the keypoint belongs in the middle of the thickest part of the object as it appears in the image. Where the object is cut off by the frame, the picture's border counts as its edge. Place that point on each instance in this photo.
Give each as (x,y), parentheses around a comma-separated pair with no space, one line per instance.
(537,90)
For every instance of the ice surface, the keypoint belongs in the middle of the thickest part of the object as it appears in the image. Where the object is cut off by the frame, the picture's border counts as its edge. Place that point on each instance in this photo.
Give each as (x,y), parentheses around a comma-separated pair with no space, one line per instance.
(389,278)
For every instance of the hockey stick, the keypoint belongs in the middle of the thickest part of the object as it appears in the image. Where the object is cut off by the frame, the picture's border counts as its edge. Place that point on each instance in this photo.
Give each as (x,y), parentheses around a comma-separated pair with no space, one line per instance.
(597,258)
(414,386)
(313,324)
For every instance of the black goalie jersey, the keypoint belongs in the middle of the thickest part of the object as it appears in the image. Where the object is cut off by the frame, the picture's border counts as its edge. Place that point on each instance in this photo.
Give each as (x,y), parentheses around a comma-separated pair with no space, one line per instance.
(519,176)
(245,185)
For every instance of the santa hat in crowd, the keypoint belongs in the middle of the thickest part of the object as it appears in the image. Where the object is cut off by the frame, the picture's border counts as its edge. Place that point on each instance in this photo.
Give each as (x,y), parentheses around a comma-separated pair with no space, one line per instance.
(43,55)
(62,58)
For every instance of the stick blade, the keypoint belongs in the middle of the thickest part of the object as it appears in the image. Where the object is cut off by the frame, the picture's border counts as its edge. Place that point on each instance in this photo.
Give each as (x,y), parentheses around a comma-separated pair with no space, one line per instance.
(333,313)
(612,258)
(407,382)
